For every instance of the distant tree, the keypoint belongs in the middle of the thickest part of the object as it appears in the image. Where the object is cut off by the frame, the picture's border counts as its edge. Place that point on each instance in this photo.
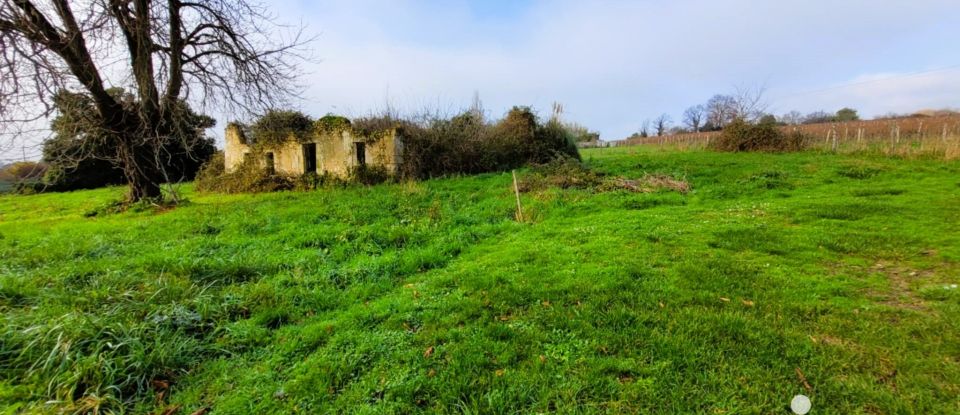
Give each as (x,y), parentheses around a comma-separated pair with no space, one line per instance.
(748,102)
(81,155)
(721,110)
(662,123)
(694,116)
(22,171)
(580,133)
(645,128)
(792,118)
(847,114)
(818,117)
(768,119)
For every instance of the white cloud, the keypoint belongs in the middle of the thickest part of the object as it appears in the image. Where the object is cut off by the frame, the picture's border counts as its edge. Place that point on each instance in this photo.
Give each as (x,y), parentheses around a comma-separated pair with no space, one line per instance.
(614,63)
(882,93)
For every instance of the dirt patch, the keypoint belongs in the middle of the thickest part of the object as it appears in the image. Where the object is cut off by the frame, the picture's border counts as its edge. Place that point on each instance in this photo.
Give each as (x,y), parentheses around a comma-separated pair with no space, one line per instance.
(899,294)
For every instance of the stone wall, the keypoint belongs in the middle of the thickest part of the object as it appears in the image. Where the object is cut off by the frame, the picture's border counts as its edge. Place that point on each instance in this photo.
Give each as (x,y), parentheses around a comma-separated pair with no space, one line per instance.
(336,151)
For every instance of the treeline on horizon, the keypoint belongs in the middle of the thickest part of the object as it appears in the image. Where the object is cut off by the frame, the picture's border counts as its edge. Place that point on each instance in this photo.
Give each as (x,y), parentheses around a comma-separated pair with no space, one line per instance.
(748,104)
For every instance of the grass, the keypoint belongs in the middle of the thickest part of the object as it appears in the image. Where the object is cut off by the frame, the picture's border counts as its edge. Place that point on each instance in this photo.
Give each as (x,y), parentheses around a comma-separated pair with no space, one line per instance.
(429,297)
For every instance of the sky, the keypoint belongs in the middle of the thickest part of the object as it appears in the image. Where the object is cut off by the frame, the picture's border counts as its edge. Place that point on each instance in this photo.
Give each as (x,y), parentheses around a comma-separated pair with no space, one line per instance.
(613,64)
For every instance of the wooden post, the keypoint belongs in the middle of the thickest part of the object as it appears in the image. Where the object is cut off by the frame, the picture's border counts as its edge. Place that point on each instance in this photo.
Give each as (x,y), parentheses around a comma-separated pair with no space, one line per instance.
(834,141)
(516,191)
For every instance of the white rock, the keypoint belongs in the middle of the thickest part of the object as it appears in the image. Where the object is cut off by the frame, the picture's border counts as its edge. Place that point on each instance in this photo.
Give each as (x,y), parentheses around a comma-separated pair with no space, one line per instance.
(800,405)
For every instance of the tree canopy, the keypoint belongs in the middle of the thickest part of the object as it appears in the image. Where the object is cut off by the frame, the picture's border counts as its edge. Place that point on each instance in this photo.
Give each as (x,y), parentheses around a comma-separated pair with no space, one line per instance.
(222,53)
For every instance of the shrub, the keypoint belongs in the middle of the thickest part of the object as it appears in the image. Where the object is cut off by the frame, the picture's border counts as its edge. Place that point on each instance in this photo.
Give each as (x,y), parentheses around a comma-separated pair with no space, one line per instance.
(740,135)
(368,175)
(247,178)
(276,127)
(468,144)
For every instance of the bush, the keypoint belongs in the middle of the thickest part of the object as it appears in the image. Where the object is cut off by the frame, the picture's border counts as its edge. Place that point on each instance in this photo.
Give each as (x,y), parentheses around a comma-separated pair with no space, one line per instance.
(248,178)
(468,144)
(368,175)
(276,126)
(740,135)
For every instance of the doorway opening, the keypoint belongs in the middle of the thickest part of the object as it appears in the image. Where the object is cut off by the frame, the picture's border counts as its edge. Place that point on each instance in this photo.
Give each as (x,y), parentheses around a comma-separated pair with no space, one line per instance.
(361,153)
(310,158)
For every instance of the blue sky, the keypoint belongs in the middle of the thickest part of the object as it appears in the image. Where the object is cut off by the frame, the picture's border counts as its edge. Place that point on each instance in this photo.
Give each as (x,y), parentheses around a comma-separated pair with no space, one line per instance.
(614,63)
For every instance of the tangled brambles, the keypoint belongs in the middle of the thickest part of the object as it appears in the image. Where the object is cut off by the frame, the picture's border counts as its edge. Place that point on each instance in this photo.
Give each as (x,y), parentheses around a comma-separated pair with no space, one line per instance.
(248,177)
(767,137)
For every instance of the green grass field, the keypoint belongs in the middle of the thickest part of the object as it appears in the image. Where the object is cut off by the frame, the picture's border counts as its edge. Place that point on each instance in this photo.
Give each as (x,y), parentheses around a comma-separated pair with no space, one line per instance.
(430,297)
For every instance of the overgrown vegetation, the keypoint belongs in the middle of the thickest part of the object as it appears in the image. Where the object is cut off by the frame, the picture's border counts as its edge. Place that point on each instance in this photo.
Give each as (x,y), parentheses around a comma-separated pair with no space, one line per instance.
(432,147)
(741,135)
(568,173)
(428,297)
(278,126)
(469,144)
(250,177)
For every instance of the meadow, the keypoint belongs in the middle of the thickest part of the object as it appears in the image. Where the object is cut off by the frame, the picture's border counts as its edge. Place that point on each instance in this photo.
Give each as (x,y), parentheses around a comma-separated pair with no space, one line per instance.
(830,275)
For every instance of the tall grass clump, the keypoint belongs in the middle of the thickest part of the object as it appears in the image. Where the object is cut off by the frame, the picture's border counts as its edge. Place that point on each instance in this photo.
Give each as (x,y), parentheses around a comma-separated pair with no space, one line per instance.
(741,136)
(103,361)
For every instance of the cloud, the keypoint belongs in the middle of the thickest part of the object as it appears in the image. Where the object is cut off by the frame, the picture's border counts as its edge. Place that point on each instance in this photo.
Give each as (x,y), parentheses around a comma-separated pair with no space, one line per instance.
(614,63)
(882,93)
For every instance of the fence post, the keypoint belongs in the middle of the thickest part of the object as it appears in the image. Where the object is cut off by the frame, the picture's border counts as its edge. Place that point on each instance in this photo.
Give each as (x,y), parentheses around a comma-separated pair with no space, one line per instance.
(834,140)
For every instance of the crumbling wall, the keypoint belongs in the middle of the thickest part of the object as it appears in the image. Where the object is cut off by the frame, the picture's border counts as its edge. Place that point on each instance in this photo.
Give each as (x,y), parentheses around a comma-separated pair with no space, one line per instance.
(336,151)
(235,148)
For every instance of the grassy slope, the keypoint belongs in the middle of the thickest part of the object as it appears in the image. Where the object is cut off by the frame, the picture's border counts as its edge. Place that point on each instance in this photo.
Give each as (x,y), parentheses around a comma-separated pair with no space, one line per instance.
(410,297)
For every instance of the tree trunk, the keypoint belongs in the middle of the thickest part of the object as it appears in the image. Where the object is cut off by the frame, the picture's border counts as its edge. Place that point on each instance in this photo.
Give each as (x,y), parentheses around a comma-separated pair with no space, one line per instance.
(140,168)
(141,187)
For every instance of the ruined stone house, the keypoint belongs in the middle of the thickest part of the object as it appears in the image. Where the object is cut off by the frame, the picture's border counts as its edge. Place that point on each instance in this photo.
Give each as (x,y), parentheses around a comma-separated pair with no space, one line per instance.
(324,150)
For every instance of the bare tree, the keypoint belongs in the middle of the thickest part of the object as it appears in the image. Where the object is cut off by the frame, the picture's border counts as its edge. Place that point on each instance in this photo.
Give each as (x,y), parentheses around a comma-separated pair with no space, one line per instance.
(792,118)
(748,102)
(694,116)
(662,123)
(721,109)
(215,52)
(645,128)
